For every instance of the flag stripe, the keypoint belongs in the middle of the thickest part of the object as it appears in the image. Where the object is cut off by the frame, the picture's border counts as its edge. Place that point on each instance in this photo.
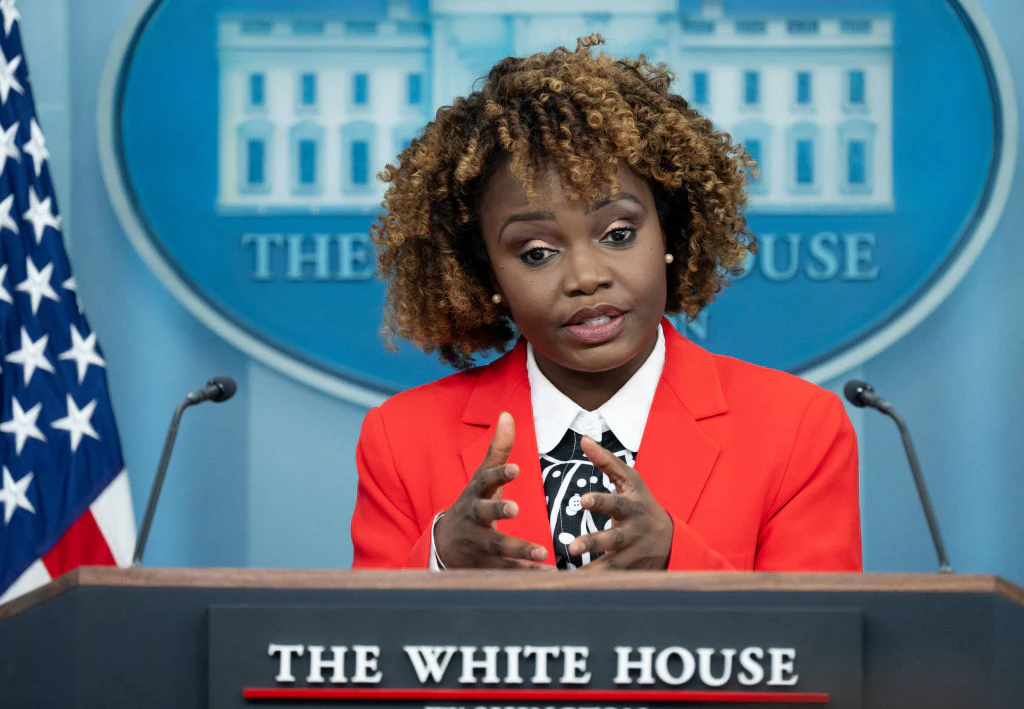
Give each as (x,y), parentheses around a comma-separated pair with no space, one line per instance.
(34,576)
(83,544)
(112,511)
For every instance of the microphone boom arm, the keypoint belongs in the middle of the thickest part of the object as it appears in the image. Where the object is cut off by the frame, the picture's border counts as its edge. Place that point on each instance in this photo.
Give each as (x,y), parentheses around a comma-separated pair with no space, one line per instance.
(158,482)
(922,490)
(217,389)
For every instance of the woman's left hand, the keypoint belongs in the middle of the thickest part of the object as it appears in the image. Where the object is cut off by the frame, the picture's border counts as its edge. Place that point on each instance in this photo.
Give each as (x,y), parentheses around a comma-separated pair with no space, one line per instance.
(641,533)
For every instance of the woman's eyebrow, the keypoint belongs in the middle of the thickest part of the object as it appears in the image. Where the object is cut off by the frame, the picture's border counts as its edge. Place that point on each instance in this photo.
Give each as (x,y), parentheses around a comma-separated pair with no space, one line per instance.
(608,200)
(527,217)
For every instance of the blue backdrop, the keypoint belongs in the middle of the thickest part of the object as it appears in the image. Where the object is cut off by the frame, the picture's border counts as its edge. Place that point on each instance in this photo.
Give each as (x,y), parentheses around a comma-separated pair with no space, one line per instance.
(269,479)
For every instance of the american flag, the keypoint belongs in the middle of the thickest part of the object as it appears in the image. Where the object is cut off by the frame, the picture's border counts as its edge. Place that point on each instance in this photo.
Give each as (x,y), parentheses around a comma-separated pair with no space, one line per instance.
(64,496)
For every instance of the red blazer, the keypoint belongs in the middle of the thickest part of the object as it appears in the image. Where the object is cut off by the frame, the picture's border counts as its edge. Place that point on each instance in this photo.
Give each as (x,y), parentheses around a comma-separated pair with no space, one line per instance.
(757,468)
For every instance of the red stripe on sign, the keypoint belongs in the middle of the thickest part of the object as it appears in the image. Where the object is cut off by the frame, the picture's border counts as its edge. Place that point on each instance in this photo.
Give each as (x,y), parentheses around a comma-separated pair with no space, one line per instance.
(82,545)
(535,695)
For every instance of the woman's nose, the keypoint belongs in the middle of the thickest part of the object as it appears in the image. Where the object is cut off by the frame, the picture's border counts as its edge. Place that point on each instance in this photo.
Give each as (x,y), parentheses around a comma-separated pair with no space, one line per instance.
(586,271)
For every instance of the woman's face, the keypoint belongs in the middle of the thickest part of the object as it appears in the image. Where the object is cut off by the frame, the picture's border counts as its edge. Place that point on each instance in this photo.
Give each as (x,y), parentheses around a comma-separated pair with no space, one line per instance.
(584,283)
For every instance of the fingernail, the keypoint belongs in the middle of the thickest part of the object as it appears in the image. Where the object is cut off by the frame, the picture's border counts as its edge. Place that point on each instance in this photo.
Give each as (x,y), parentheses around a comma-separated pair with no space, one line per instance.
(538,554)
(511,509)
(587,501)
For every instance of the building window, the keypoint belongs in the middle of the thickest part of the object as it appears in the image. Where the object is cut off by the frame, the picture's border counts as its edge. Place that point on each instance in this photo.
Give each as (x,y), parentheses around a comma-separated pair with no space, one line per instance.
(257,89)
(753,147)
(415,87)
(358,139)
(698,27)
(257,27)
(856,93)
(803,87)
(307,162)
(254,150)
(751,87)
(360,162)
(256,161)
(361,89)
(856,167)
(361,27)
(805,162)
(802,26)
(305,142)
(308,89)
(804,165)
(700,87)
(308,27)
(406,27)
(403,135)
(855,26)
(751,27)
(857,146)
(756,136)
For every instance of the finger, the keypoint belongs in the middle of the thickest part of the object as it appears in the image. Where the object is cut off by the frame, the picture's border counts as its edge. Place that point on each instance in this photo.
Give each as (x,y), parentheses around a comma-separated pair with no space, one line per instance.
(608,562)
(615,506)
(485,512)
(501,443)
(496,544)
(528,565)
(488,482)
(621,475)
(613,539)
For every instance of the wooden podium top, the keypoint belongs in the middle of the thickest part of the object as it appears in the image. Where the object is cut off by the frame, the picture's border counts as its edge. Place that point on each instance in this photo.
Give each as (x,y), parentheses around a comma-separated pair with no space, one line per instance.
(105,576)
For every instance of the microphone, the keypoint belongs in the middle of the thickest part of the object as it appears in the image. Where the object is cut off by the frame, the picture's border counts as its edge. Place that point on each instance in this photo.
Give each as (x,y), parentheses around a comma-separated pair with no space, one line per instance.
(217,389)
(862,394)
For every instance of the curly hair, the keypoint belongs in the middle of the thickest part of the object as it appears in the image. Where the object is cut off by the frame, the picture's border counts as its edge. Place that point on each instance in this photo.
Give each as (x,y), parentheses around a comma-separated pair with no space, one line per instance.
(581,114)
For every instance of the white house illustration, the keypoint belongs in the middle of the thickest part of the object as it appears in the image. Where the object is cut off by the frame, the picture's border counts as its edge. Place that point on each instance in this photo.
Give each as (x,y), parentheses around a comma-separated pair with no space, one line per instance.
(312,108)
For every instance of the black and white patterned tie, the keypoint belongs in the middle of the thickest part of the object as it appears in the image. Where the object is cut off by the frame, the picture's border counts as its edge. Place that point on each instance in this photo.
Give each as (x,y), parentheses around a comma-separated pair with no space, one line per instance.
(568,475)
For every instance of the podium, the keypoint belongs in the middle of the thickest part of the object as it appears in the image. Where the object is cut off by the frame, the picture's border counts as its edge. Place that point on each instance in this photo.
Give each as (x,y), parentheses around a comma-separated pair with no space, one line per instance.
(119,638)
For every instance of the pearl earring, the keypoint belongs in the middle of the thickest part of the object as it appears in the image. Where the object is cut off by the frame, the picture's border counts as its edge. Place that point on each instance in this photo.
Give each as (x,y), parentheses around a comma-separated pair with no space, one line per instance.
(496,298)
(669,258)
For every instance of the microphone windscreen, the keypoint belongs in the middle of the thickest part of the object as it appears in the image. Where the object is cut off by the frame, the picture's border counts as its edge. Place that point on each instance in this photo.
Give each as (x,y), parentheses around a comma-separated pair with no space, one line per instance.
(226,388)
(853,390)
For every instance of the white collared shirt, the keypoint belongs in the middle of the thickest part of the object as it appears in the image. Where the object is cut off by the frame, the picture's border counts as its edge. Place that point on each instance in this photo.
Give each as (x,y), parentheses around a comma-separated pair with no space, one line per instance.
(625,414)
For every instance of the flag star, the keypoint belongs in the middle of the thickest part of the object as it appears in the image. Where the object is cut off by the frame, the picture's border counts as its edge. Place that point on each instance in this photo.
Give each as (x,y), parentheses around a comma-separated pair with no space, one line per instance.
(6,222)
(23,425)
(36,147)
(12,494)
(37,284)
(77,422)
(8,80)
(40,214)
(32,355)
(83,352)
(4,293)
(10,13)
(70,285)
(9,145)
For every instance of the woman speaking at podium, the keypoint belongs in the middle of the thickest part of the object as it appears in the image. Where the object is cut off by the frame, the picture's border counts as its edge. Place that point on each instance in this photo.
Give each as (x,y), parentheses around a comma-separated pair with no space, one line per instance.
(562,209)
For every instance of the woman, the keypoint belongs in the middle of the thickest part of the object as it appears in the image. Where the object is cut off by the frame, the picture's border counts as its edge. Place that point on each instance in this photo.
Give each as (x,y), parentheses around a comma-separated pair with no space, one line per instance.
(575,200)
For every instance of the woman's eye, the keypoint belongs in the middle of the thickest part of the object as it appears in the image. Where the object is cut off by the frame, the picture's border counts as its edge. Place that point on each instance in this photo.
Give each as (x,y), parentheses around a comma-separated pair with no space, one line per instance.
(620,236)
(536,255)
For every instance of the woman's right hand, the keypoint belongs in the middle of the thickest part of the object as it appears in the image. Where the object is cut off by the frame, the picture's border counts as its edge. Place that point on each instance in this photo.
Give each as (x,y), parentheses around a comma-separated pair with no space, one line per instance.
(466,536)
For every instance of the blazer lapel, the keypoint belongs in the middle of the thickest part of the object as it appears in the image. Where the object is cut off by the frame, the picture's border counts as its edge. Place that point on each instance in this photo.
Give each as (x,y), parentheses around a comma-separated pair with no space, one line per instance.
(503,386)
(676,456)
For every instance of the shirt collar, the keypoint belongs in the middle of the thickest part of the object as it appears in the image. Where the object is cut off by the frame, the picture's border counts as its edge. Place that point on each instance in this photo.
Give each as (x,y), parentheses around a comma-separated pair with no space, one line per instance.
(625,414)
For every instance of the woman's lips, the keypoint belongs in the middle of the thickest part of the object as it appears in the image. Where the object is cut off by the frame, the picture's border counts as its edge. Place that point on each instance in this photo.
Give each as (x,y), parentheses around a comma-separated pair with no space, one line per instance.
(597,329)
